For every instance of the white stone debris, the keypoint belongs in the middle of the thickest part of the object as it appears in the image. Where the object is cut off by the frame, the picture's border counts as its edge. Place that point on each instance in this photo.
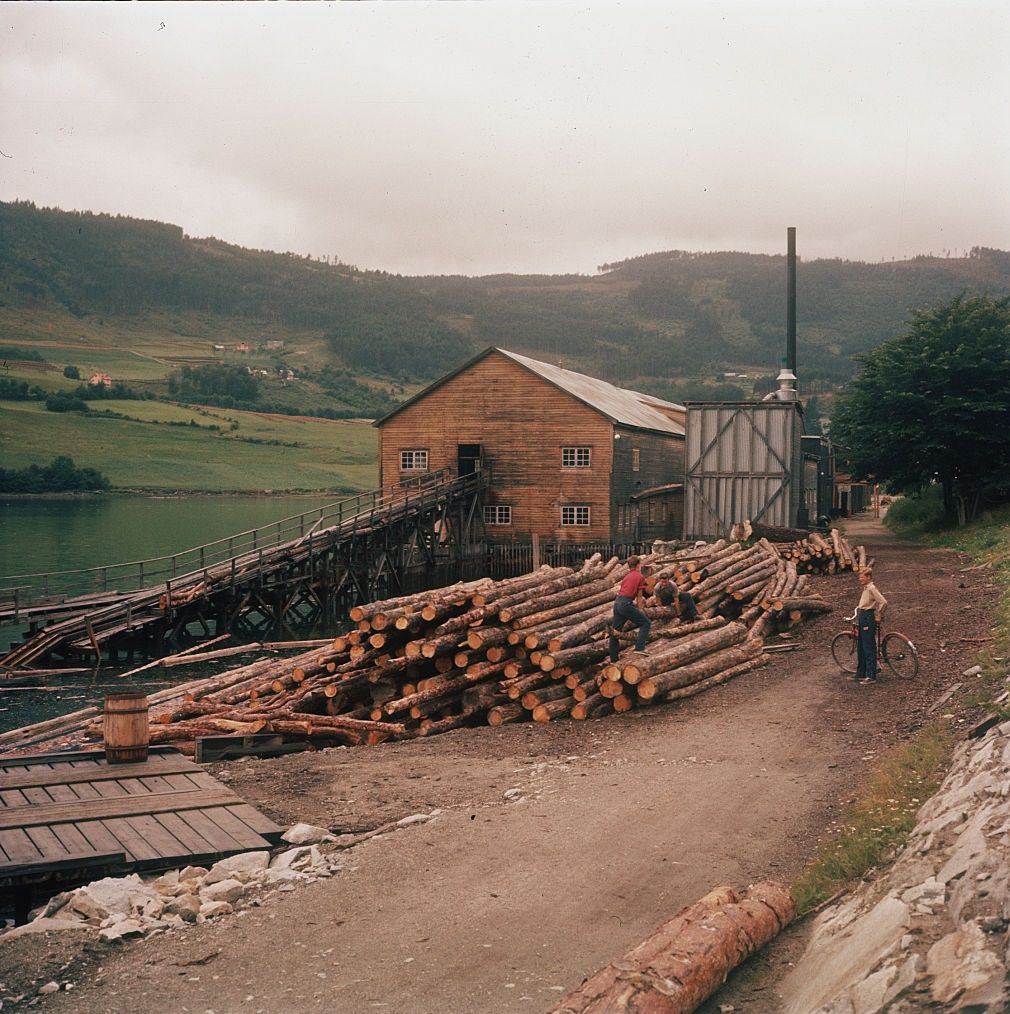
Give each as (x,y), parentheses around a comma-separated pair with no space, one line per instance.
(120,908)
(932,932)
(306,834)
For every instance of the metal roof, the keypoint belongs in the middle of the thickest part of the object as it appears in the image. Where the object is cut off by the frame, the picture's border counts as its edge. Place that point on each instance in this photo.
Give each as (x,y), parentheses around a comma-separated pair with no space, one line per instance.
(628,408)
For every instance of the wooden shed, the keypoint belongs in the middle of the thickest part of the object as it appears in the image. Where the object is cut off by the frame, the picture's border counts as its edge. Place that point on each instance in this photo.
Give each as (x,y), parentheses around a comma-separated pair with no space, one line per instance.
(567,457)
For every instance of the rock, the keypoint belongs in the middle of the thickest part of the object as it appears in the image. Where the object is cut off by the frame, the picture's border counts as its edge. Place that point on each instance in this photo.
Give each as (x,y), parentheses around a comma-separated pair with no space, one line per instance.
(49,987)
(926,895)
(416,818)
(973,671)
(223,890)
(511,794)
(153,908)
(868,996)
(282,875)
(193,873)
(833,962)
(244,867)
(306,834)
(213,909)
(906,977)
(960,962)
(185,907)
(168,879)
(115,894)
(84,907)
(55,903)
(122,930)
(46,924)
(300,858)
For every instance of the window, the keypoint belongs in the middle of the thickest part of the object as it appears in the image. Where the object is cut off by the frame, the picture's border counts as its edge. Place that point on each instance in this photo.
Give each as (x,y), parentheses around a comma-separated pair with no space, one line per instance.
(576,457)
(498,514)
(413,461)
(636,459)
(574,515)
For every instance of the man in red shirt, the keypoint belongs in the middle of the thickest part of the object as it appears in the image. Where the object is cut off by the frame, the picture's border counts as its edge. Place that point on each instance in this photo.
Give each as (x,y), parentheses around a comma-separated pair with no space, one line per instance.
(627,609)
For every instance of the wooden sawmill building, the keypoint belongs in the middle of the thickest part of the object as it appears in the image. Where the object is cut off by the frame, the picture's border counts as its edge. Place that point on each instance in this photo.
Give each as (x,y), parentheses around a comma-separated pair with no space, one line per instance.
(567,457)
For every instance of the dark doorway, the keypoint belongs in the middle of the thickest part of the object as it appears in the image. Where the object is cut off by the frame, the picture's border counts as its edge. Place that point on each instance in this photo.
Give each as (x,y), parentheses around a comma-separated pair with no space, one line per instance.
(468,458)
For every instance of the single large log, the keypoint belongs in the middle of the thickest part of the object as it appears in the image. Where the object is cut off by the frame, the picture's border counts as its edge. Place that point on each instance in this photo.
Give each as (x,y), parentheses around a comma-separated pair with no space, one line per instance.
(529,600)
(575,658)
(687,958)
(719,677)
(581,600)
(683,651)
(709,665)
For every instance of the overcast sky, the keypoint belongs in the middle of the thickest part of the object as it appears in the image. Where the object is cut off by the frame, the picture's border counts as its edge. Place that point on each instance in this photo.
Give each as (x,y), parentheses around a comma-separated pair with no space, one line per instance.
(472,138)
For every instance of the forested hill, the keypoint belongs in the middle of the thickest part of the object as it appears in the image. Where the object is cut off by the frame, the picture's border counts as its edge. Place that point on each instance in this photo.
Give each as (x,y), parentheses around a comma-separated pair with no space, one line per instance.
(663,315)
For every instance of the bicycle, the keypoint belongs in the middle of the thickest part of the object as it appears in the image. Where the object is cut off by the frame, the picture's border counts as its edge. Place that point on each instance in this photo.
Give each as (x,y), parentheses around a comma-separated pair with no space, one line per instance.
(896,650)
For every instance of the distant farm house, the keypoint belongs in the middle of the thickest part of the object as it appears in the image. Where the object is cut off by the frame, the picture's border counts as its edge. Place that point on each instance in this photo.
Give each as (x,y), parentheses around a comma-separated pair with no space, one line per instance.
(99,380)
(241,346)
(218,348)
(567,457)
(274,344)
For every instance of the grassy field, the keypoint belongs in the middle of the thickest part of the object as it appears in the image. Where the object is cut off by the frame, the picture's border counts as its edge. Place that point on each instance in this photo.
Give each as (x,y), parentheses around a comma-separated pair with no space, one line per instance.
(144,452)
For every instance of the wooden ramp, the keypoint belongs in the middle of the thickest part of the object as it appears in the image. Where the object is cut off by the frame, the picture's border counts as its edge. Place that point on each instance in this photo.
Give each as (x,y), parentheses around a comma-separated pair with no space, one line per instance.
(71,816)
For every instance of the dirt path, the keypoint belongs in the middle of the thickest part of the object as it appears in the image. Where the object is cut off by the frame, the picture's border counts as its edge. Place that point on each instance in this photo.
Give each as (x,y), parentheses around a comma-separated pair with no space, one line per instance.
(500,906)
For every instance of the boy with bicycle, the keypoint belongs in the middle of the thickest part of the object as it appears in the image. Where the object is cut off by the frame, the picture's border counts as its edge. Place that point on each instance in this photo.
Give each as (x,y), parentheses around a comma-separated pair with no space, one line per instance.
(869,614)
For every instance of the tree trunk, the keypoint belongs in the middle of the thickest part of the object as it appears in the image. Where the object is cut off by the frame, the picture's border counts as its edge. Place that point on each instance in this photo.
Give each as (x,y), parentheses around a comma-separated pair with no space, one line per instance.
(683,651)
(709,665)
(687,958)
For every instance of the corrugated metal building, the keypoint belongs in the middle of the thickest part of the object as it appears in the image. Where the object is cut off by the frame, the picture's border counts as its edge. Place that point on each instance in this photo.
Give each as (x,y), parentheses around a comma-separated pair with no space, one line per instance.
(743,461)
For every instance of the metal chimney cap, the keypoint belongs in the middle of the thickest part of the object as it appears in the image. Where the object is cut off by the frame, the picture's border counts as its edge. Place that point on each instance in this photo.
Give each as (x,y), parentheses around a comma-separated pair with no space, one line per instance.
(787,385)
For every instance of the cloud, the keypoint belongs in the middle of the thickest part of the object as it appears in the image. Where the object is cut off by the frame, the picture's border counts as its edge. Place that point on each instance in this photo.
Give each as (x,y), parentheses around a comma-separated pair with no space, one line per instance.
(494,137)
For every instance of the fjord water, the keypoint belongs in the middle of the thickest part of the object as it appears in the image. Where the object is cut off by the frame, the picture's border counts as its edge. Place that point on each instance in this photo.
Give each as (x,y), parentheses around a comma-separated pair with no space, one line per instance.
(43,534)
(38,535)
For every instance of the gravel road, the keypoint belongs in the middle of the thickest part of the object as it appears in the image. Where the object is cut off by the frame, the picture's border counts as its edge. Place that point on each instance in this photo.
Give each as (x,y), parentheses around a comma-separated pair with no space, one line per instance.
(505,901)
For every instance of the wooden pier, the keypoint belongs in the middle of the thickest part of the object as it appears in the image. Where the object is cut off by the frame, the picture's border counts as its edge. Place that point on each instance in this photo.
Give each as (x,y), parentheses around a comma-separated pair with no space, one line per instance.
(69,817)
(270,581)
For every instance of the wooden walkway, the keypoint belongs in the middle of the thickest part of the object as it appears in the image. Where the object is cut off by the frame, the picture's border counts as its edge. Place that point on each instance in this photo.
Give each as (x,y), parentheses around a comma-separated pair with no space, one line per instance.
(277,579)
(71,816)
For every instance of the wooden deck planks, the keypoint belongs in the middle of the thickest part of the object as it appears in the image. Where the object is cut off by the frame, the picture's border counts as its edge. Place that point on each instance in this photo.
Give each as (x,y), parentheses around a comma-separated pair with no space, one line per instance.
(165,812)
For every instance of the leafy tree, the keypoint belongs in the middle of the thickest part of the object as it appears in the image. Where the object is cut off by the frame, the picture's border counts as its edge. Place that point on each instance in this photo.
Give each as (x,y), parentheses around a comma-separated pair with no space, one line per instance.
(62,402)
(932,406)
(61,475)
(217,381)
(71,372)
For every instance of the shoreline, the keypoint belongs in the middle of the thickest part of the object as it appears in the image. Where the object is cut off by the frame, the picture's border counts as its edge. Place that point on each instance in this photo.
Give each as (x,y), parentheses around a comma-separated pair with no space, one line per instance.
(171,493)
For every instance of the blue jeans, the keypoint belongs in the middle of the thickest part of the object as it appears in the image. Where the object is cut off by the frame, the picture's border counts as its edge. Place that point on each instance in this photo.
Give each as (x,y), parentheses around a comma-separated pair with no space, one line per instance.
(625,611)
(866,645)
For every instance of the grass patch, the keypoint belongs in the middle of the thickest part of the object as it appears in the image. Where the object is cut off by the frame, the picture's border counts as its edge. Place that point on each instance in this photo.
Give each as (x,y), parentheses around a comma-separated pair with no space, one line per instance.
(880,822)
(330,455)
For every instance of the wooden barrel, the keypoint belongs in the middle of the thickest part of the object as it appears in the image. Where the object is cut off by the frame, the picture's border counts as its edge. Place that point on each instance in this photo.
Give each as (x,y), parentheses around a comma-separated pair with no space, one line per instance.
(125,727)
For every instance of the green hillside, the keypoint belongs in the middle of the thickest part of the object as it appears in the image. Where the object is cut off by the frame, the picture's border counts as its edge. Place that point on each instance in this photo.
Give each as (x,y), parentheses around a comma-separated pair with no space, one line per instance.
(151,445)
(92,284)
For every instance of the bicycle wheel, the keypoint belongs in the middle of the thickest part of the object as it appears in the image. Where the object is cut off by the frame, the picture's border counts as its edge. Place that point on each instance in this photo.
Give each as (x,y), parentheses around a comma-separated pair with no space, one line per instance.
(900,655)
(843,650)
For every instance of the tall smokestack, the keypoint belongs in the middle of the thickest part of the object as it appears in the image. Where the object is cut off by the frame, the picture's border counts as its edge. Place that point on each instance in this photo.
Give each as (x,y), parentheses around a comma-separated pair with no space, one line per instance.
(791,299)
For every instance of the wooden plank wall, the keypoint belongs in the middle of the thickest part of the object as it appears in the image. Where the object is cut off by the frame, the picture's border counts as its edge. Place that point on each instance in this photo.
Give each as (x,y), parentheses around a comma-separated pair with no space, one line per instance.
(661,461)
(522,422)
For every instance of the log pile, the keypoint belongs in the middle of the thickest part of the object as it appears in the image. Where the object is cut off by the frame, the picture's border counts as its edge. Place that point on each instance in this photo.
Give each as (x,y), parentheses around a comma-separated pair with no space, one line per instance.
(533,647)
(812,552)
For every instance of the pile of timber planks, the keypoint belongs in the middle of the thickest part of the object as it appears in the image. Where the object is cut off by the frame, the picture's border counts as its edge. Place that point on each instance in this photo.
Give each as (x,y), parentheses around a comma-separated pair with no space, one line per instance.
(533,647)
